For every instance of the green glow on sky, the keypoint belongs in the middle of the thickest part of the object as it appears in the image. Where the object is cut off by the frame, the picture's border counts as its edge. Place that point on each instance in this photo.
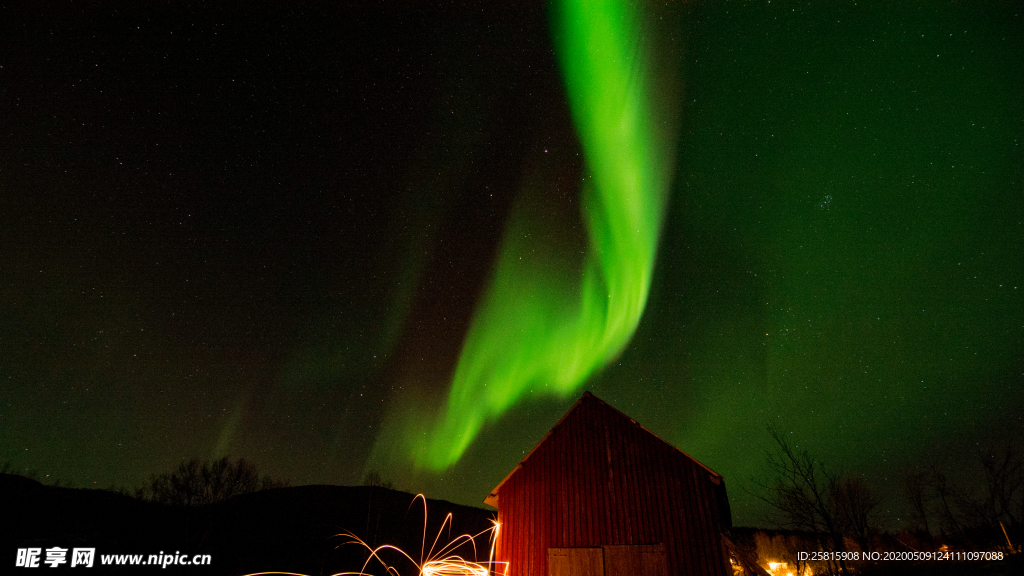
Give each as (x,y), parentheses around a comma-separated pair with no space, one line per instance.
(541,331)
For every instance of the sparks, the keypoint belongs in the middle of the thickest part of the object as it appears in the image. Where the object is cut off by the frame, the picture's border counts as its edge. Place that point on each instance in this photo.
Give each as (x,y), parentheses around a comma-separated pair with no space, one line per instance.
(442,562)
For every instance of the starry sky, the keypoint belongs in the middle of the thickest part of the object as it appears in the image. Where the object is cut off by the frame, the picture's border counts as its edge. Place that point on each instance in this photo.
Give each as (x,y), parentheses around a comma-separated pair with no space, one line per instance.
(258,231)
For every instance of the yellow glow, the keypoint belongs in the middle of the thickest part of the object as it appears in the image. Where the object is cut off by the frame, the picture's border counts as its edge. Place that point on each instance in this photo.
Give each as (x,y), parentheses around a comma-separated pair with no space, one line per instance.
(782,569)
(453,566)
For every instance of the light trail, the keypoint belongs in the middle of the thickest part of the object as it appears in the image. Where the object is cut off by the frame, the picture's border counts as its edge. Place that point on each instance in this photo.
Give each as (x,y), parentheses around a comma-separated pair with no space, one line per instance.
(443,562)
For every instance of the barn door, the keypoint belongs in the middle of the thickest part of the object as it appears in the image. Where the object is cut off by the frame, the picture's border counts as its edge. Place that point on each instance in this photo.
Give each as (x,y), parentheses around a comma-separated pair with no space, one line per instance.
(635,561)
(608,561)
(575,562)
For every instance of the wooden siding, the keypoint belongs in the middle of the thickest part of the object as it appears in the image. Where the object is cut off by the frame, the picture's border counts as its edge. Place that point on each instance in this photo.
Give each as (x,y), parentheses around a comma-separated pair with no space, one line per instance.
(599,479)
(575,562)
(635,561)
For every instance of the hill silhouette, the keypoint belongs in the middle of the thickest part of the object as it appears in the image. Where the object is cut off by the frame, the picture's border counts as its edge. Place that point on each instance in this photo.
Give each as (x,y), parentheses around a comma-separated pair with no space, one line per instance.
(295,529)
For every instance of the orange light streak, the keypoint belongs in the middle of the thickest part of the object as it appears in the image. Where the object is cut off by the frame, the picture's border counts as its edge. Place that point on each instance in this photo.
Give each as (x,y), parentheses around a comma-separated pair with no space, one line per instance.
(440,563)
(453,566)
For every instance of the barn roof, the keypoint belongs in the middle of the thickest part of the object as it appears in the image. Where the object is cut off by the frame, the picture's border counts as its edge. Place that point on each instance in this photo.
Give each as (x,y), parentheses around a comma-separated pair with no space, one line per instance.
(492,498)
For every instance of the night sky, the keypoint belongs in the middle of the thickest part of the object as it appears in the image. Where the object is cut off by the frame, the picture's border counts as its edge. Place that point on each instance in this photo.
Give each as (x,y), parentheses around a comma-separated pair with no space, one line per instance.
(263,232)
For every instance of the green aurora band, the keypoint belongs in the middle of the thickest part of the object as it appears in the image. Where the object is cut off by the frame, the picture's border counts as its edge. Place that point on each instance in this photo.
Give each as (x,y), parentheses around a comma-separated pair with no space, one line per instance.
(536,331)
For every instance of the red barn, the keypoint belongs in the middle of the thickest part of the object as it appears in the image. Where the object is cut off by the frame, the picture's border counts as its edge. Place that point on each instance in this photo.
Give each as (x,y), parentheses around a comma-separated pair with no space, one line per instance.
(600,495)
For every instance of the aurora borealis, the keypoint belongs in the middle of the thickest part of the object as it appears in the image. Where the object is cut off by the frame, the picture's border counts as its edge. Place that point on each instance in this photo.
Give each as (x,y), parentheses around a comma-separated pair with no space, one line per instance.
(274,233)
(541,331)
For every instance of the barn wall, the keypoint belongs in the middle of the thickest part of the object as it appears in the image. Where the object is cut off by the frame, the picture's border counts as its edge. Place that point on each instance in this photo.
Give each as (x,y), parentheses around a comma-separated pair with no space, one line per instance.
(600,479)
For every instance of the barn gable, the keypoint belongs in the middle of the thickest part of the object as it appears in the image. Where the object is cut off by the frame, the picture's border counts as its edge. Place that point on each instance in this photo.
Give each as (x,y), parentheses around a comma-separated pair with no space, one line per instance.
(599,486)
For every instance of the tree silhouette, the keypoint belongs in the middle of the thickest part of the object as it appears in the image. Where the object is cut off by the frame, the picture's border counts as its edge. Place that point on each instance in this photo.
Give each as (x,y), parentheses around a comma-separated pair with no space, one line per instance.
(197,483)
(806,495)
(855,505)
(373,478)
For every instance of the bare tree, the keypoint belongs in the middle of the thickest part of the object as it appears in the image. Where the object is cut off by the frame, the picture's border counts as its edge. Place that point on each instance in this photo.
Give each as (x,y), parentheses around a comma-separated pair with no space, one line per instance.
(803,492)
(196,483)
(984,508)
(990,511)
(855,505)
(1003,501)
(914,485)
(947,498)
(373,478)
